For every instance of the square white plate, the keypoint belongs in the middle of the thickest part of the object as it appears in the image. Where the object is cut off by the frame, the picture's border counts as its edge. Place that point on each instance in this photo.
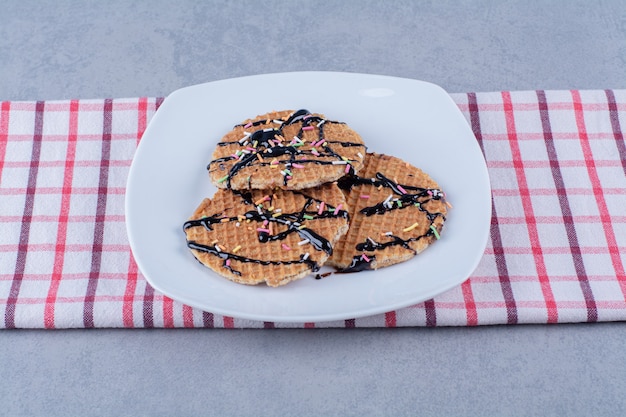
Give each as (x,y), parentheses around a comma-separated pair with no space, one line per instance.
(414,120)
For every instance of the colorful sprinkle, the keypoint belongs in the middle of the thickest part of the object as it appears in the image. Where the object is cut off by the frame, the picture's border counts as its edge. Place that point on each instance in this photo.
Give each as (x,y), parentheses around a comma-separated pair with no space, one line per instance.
(411,227)
(307,216)
(262,230)
(402,190)
(434,229)
(308,128)
(262,199)
(224,178)
(285,247)
(321,209)
(338,208)
(248,125)
(227,262)
(348,166)
(298,166)
(303,242)
(236,248)
(365,258)
(364,196)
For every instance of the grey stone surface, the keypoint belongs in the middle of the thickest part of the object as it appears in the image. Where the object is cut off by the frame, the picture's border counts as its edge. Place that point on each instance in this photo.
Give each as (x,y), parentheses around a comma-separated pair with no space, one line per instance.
(58,50)
(65,49)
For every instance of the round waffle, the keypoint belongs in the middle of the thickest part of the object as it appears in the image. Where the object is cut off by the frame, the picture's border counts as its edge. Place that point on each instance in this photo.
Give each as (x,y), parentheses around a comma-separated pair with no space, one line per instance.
(275,237)
(396,211)
(285,149)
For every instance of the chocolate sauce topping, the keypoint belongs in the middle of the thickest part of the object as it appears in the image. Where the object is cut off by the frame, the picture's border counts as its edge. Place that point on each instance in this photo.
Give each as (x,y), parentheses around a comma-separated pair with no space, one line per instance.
(293,221)
(359,264)
(405,196)
(266,146)
(225,256)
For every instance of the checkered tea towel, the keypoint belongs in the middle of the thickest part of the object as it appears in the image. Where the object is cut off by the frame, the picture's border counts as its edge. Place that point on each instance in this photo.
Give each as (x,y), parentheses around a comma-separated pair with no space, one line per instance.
(556,253)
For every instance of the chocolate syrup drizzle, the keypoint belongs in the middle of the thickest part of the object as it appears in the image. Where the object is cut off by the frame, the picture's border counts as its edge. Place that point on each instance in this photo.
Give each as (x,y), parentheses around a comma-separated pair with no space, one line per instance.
(268,149)
(407,196)
(293,221)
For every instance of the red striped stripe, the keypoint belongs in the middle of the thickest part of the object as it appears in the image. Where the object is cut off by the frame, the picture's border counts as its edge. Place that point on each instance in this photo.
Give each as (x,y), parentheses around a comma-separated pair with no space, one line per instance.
(98,234)
(494,231)
(66,194)
(550,192)
(565,163)
(605,216)
(532,106)
(133,270)
(531,222)
(229,322)
(128,319)
(5,111)
(142,122)
(168,312)
(390,319)
(470,304)
(187,316)
(556,250)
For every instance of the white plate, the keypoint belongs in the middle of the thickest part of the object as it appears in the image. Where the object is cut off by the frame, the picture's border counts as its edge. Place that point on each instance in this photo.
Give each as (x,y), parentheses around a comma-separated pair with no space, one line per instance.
(414,120)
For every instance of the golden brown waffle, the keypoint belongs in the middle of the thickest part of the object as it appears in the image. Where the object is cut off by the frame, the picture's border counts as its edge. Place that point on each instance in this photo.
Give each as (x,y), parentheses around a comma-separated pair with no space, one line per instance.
(396,211)
(285,149)
(278,236)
